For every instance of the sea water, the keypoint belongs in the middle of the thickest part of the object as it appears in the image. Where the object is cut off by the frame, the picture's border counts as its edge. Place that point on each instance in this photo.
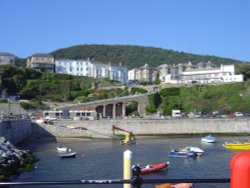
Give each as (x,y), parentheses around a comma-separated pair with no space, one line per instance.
(103,159)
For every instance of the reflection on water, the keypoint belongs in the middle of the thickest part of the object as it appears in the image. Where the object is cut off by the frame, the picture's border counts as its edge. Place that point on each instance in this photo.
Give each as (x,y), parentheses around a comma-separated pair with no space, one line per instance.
(104,160)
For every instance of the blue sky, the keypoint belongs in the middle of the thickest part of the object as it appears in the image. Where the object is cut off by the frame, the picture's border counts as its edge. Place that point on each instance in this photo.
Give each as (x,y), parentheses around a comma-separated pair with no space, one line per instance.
(206,27)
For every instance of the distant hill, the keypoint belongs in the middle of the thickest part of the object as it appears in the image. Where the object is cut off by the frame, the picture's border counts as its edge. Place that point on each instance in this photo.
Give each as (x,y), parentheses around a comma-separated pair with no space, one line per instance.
(135,56)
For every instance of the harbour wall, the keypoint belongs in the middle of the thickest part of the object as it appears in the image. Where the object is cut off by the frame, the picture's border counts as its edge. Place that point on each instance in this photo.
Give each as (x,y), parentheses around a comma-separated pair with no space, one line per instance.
(143,127)
(15,131)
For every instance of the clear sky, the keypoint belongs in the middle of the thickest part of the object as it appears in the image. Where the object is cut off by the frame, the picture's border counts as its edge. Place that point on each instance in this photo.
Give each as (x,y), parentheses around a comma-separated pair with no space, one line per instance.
(206,27)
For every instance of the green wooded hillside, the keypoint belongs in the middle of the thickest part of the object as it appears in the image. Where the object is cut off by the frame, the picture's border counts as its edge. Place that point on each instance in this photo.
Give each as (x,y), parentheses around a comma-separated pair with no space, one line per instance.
(33,85)
(135,56)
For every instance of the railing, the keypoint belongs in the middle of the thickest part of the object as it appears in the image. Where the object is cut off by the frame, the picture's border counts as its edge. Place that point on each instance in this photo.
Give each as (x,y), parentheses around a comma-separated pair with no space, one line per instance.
(135,182)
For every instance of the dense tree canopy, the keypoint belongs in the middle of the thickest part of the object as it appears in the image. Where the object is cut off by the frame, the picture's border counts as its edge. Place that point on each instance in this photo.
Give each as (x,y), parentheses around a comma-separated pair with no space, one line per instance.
(135,56)
(30,84)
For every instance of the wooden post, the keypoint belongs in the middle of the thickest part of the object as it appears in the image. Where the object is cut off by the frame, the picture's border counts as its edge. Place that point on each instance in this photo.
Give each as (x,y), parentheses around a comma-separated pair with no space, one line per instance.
(127,172)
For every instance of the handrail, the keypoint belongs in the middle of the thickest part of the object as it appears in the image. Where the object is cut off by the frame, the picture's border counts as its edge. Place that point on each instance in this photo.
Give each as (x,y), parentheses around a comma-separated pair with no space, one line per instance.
(118,181)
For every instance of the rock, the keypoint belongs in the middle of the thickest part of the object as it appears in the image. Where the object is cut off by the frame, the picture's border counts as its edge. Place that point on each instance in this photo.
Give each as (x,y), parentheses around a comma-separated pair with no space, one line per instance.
(11,158)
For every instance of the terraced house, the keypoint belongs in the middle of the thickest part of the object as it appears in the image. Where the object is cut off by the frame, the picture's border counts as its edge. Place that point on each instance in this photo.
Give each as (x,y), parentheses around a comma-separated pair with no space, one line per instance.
(41,62)
(92,69)
(7,58)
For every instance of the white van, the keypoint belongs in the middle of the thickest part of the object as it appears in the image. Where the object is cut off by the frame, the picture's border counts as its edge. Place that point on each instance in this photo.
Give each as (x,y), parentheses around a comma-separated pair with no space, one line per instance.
(176,114)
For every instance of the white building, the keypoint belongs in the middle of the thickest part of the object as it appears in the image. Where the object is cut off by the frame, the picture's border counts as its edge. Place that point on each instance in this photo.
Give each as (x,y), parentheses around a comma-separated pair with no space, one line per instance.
(91,69)
(132,75)
(100,70)
(223,74)
(7,59)
(70,114)
(74,67)
(118,73)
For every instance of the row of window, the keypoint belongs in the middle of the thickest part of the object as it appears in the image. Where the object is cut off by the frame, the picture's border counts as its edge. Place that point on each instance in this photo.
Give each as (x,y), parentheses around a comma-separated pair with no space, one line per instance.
(44,58)
(78,114)
(70,63)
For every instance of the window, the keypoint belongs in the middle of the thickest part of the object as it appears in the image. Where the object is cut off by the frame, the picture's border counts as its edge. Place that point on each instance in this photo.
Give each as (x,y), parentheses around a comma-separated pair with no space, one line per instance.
(57,114)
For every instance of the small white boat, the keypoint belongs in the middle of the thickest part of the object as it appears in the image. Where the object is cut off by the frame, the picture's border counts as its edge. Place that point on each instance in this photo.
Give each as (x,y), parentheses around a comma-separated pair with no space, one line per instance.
(63,149)
(197,150)
(208,139)
(67,155)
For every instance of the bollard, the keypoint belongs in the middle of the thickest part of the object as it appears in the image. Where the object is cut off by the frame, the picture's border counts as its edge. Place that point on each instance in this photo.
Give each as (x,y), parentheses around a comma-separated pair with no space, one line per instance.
(240,170)
(136,180)
(127,158)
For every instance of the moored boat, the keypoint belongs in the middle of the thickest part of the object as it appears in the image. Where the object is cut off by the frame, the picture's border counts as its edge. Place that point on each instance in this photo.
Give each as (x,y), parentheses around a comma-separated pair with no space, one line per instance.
(237,145)
(182,153)
(154,168)
(197,150)
(208,139)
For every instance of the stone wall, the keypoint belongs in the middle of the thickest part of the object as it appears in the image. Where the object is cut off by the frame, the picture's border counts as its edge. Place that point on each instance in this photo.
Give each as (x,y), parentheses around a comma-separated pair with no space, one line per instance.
(103,128)
(15,131)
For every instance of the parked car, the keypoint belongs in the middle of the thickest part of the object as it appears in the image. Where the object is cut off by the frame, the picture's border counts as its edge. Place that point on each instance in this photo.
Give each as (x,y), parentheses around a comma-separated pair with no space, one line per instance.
(199,115)
(213,115)
(247,114)
(231,115)
(238,114)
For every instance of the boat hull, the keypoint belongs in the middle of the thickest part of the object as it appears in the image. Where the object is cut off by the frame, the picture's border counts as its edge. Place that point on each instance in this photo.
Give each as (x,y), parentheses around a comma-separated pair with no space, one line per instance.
(154,168)
(237,146)
(67,155)
(182,154)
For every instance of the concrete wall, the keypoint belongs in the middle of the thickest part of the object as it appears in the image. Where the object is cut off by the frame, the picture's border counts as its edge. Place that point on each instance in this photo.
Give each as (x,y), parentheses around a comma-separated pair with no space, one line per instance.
(15,131)
(103,128)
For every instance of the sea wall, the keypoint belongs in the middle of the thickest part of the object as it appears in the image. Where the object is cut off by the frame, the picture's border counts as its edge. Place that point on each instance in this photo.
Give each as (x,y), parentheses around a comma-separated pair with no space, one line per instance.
(15,131)
(146,127)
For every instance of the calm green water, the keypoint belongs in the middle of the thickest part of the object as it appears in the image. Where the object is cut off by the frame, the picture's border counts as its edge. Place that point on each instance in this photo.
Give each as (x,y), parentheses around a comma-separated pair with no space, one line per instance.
(104,160)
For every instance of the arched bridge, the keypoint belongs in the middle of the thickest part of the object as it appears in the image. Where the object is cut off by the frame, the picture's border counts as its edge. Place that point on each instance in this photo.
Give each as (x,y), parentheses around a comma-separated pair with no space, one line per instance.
(115,107)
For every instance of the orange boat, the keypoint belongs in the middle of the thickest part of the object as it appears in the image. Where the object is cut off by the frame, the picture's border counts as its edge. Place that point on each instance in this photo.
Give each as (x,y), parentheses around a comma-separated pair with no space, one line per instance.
(154,168)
